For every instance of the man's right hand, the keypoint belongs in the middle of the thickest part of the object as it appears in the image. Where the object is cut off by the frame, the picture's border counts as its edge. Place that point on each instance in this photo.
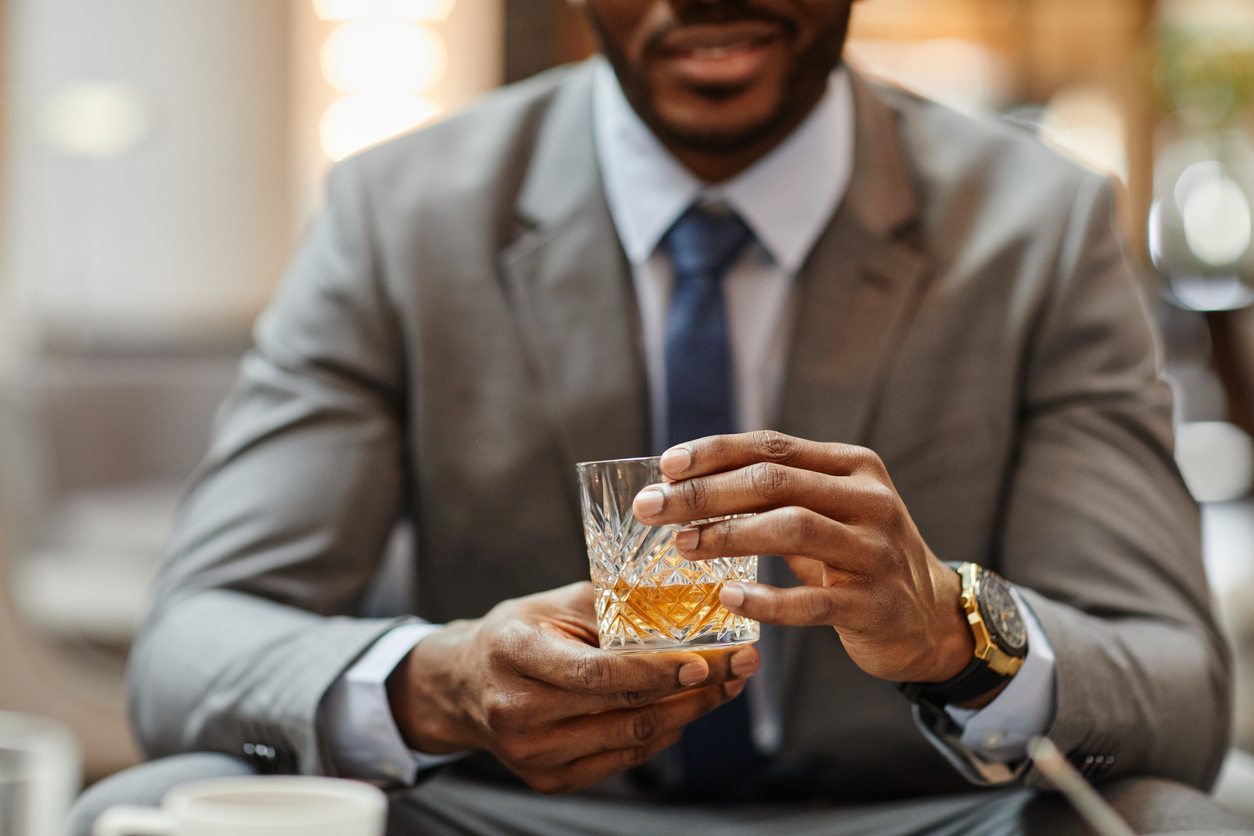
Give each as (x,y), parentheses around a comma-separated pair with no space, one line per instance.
(528,683)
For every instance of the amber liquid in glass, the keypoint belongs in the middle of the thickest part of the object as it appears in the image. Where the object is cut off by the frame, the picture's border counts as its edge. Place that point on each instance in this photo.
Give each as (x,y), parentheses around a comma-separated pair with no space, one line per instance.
(654,617)
(692,608)
(648,597)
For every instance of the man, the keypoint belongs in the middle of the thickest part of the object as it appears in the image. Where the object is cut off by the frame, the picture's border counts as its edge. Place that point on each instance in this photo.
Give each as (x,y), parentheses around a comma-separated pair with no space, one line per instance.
(930,324)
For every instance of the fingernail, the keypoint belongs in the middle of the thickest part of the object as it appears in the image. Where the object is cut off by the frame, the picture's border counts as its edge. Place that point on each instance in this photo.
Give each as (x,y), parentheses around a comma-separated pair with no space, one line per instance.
(687,539)
(649,502)
(732,596)
(733,688)
(744,663)
(693,673)
(676,460)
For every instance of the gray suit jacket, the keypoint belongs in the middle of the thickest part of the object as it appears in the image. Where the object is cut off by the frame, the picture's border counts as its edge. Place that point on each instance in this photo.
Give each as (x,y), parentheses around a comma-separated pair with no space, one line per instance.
(459,329)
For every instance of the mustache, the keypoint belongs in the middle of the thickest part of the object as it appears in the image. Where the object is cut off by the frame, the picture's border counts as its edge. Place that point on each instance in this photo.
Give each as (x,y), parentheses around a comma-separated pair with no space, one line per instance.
(728,11)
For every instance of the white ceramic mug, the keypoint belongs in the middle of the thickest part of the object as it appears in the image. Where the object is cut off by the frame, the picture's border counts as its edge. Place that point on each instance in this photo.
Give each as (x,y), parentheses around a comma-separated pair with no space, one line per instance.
(39,774)
(266,805)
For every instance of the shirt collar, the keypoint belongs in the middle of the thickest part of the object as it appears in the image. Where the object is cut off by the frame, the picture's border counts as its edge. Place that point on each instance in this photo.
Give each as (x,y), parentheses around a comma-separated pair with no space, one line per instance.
(786,198)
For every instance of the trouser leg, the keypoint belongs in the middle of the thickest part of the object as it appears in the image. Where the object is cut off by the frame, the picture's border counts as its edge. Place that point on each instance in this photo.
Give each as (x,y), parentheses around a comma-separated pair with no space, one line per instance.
(147,783)
(1150,805)
(447,806)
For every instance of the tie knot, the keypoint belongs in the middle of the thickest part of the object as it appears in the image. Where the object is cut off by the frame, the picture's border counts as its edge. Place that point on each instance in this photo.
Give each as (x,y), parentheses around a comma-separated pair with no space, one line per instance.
(705,241)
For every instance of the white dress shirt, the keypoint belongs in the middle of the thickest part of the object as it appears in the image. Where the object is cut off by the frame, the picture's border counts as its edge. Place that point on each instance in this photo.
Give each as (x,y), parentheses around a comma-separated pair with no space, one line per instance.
(787,199)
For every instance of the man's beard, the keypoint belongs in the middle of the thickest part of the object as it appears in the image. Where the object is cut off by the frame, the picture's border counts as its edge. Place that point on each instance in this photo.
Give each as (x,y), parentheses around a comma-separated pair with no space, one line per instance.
(802,88)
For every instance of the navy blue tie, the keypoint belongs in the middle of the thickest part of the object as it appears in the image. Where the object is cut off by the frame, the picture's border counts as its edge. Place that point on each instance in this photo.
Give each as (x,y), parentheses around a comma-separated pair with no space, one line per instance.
(716,751)
(703,244)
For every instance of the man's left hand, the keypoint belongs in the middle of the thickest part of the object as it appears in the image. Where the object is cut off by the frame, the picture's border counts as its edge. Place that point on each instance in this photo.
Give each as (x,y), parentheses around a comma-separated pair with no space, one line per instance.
(832,512)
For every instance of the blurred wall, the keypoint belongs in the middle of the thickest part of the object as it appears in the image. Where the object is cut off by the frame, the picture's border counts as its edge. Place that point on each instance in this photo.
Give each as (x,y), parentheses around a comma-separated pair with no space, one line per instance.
(161,157)
(178,236)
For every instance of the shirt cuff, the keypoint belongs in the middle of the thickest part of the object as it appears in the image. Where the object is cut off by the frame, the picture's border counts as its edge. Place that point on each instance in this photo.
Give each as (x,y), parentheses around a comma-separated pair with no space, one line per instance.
(989,745)
(356,718)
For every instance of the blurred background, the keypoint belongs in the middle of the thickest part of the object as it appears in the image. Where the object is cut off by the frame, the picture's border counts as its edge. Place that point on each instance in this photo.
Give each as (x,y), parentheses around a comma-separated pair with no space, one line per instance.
(162,157)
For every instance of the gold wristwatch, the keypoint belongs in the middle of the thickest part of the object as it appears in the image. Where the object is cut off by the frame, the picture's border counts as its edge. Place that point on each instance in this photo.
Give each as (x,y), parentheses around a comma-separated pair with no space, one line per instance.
(1001,641)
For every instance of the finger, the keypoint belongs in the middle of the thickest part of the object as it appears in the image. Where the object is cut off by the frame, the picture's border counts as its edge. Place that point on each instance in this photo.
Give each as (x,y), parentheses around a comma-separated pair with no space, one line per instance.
(800,606)
(575,601)
(807,571)
(591,734)
(578,668)
(762,487)
(718,453)
(549,703)
(792,531)
(592,769)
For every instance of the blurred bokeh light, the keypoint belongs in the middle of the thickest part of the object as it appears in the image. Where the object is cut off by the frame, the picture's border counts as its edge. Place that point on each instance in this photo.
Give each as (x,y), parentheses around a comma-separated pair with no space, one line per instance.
(958,72)
(1201,222)
(383,9)
(381,59)
(1085,122)
(95,119)
(359,120)
(373,56)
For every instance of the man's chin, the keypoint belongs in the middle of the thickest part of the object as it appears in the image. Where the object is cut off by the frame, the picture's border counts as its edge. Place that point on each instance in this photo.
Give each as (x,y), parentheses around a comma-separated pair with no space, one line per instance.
(710,137)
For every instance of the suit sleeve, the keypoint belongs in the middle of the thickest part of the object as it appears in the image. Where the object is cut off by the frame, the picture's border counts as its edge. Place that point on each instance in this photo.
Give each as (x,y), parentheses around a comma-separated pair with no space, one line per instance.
(1101,533)
(287,518)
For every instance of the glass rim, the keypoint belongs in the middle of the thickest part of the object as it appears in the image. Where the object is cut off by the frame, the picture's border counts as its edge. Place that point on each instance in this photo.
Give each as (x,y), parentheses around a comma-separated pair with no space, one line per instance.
(632,460)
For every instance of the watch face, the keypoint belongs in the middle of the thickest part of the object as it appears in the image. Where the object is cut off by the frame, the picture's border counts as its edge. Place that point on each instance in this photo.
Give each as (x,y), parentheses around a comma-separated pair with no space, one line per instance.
(998,609)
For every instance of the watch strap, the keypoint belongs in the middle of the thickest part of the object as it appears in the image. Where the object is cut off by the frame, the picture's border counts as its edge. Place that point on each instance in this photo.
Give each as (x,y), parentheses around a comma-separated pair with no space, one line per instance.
(975,680)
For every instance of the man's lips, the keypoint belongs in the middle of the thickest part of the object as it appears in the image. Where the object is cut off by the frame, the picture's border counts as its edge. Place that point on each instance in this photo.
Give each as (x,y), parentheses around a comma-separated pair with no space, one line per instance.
(728,54)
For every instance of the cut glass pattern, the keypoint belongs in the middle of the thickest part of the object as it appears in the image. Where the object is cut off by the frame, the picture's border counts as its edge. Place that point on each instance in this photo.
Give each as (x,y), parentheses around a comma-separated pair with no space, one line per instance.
(648,598)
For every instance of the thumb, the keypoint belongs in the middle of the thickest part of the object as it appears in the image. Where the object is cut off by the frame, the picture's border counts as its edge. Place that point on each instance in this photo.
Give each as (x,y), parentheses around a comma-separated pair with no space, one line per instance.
(577,598)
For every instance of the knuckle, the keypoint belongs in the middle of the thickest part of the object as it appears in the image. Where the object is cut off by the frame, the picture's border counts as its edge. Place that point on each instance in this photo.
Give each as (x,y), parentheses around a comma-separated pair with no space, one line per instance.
(499,658)
(880,499)
(774,446)
(506,643)
(769,480)
(798,527)
(594,673)
(869,461)
(696,494)
(643,727)
(634,699)
(818,608)
(720,533)
(500,711)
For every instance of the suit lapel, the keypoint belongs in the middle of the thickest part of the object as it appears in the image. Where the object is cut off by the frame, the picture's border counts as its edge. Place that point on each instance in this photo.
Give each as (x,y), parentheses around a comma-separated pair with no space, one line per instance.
(856,297)
(569,286)
(857,290)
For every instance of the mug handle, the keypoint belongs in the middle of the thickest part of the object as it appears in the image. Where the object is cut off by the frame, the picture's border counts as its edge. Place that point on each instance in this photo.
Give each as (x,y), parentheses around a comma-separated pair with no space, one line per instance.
(133,821)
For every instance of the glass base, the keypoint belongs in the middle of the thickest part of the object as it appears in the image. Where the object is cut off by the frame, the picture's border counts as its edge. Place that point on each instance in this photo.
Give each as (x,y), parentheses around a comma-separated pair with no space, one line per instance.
(672,647)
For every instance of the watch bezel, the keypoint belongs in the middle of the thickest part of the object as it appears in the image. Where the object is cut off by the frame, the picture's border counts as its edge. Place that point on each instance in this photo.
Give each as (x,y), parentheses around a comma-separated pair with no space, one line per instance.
(986,649)
(986,581)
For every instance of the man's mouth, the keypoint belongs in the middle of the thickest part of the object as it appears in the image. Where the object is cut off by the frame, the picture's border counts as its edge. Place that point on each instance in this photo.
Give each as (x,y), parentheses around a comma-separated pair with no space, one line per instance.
(722,54)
